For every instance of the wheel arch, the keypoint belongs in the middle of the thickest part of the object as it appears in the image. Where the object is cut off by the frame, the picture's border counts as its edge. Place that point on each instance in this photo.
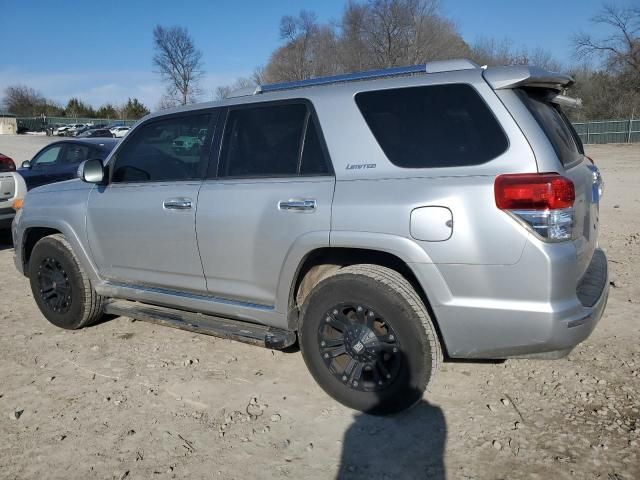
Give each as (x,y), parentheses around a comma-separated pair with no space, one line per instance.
(36,231)
(321,262)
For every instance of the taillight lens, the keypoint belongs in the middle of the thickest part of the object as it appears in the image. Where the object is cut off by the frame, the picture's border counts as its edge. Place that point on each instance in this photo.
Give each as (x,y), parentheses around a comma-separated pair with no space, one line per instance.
(542,201)
(6,164)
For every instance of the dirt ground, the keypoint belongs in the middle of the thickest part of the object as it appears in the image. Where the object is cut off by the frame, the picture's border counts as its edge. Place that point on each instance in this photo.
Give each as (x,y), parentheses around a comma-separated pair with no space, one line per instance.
(126,399)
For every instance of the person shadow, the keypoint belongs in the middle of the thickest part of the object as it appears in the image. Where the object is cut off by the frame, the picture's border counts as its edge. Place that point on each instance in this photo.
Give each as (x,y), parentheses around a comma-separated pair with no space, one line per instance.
(406,445)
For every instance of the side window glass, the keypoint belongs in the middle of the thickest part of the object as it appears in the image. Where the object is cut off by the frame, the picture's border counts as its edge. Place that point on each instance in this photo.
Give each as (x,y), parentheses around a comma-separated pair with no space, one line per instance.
(48,157)
(313,161)
(262,141)
(75,154)
(164,150)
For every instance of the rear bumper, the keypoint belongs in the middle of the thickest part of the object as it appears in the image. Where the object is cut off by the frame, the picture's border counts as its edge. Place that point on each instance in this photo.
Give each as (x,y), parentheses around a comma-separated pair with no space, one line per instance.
(497,328)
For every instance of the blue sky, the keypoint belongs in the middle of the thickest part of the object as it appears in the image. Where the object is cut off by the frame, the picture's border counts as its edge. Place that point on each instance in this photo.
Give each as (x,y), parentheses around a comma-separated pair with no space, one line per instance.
(101,51)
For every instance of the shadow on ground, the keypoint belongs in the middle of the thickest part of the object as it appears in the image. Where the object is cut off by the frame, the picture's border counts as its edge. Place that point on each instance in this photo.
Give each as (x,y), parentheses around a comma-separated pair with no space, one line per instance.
(5,240)
(407,445)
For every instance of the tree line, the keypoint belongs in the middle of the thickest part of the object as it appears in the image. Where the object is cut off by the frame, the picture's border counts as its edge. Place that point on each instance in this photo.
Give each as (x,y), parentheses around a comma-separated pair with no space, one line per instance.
(24,101)
(375,34)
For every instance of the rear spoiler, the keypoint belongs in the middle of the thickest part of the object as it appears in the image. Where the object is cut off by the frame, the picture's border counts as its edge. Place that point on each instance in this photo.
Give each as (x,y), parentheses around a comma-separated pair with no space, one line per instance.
(515,76)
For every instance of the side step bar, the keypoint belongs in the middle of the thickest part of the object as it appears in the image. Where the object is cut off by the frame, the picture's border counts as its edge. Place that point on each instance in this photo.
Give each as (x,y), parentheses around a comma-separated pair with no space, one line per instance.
(254,334)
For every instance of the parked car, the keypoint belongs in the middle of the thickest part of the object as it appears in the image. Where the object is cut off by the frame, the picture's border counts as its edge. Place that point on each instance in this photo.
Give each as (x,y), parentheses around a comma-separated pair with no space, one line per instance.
(7,164)
(380,222)
(189,144)
(120,132)
(96,132)
(59,131)
(79,131)
(74,129)
(12,192)
(59,161)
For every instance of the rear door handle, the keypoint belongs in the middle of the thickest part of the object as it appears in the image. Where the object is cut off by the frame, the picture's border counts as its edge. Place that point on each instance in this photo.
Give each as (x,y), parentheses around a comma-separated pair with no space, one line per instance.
(177,203)
(297,205)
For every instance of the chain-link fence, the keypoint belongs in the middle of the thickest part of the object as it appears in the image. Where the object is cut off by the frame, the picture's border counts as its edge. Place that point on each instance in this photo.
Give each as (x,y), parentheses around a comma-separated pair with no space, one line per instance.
(609,131)
(605,131)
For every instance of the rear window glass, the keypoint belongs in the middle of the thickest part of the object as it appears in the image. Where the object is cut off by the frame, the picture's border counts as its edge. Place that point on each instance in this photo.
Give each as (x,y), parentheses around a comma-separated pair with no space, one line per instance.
(433,126)
(554,123)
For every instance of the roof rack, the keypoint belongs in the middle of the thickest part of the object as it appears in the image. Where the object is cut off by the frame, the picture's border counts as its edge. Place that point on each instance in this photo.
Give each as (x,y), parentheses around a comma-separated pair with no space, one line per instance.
(431,67)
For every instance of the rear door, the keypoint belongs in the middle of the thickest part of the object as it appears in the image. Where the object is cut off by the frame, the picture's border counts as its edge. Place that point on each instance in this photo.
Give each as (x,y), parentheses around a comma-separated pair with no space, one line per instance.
(273,187)
(575,166)
(141,226)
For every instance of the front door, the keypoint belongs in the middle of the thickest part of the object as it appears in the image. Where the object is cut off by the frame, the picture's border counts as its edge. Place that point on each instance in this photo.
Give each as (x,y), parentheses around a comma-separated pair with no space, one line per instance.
(272,189)
(141,226)
(42,165)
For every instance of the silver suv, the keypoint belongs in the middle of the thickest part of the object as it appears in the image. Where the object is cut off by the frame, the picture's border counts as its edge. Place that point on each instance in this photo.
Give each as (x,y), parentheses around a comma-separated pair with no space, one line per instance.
(383,220)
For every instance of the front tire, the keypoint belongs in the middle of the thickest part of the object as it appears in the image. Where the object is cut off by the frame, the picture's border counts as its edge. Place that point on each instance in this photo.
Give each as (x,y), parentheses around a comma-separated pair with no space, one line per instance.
(61,288)
(368,340)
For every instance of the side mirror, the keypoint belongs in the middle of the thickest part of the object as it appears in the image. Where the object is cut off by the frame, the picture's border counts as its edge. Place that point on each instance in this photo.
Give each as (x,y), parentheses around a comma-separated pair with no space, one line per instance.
(26,164)
(91,171)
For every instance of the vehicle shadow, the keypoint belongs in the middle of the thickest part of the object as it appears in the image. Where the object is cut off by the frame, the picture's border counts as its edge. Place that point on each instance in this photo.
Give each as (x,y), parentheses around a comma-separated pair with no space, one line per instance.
(409,444)
(6,242)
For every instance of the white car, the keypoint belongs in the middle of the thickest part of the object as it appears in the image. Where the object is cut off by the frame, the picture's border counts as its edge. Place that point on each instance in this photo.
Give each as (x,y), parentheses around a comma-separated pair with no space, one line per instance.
(12,192)
(73,128)
(60,131)
(120,132)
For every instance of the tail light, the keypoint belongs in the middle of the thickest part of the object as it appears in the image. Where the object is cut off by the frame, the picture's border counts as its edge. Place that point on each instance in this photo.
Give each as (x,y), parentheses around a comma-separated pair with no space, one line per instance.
(542,201)
(6,164)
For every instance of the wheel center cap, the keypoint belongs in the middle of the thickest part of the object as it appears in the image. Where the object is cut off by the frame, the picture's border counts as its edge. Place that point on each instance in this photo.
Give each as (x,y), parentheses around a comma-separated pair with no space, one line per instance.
(357,340)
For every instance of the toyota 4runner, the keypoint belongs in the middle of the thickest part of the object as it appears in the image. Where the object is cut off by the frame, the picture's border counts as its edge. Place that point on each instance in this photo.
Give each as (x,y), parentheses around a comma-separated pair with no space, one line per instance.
(383,220)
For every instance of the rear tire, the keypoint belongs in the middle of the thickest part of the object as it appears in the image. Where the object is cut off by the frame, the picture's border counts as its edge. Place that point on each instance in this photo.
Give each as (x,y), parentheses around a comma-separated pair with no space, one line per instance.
(368,340)
(60,287)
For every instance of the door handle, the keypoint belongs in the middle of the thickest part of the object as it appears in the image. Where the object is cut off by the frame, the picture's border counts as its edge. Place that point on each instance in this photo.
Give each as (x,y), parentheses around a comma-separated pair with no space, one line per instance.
(177,204)
(297,205)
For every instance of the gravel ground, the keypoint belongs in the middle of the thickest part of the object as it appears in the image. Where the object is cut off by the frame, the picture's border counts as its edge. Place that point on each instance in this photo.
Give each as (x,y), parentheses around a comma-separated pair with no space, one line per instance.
(126,399)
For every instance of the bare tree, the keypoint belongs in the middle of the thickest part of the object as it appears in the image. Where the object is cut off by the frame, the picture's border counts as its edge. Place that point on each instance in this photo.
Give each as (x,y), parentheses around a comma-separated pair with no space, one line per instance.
(25,101)
(489,51)
(301,55)
(179,62)
(620,50)
(224,91)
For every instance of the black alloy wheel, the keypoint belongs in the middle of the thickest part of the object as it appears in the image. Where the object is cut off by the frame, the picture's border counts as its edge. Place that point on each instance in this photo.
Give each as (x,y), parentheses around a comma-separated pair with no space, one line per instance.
(54,285)
(359,347)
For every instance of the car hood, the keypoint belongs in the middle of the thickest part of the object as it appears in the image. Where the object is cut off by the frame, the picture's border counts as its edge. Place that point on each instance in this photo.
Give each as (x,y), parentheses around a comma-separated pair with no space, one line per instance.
(74,184)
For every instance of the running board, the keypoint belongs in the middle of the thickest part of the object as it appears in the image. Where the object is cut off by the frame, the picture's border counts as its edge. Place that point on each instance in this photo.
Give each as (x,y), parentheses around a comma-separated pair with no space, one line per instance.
(251,333)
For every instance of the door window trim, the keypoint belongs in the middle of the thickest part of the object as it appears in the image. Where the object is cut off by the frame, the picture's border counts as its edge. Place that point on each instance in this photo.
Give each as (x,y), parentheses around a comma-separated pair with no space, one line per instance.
(213,172)
(205,154)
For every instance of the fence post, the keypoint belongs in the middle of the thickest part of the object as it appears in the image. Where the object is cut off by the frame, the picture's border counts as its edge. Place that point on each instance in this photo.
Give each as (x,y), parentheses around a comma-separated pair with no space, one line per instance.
(630,125)
(588,132)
